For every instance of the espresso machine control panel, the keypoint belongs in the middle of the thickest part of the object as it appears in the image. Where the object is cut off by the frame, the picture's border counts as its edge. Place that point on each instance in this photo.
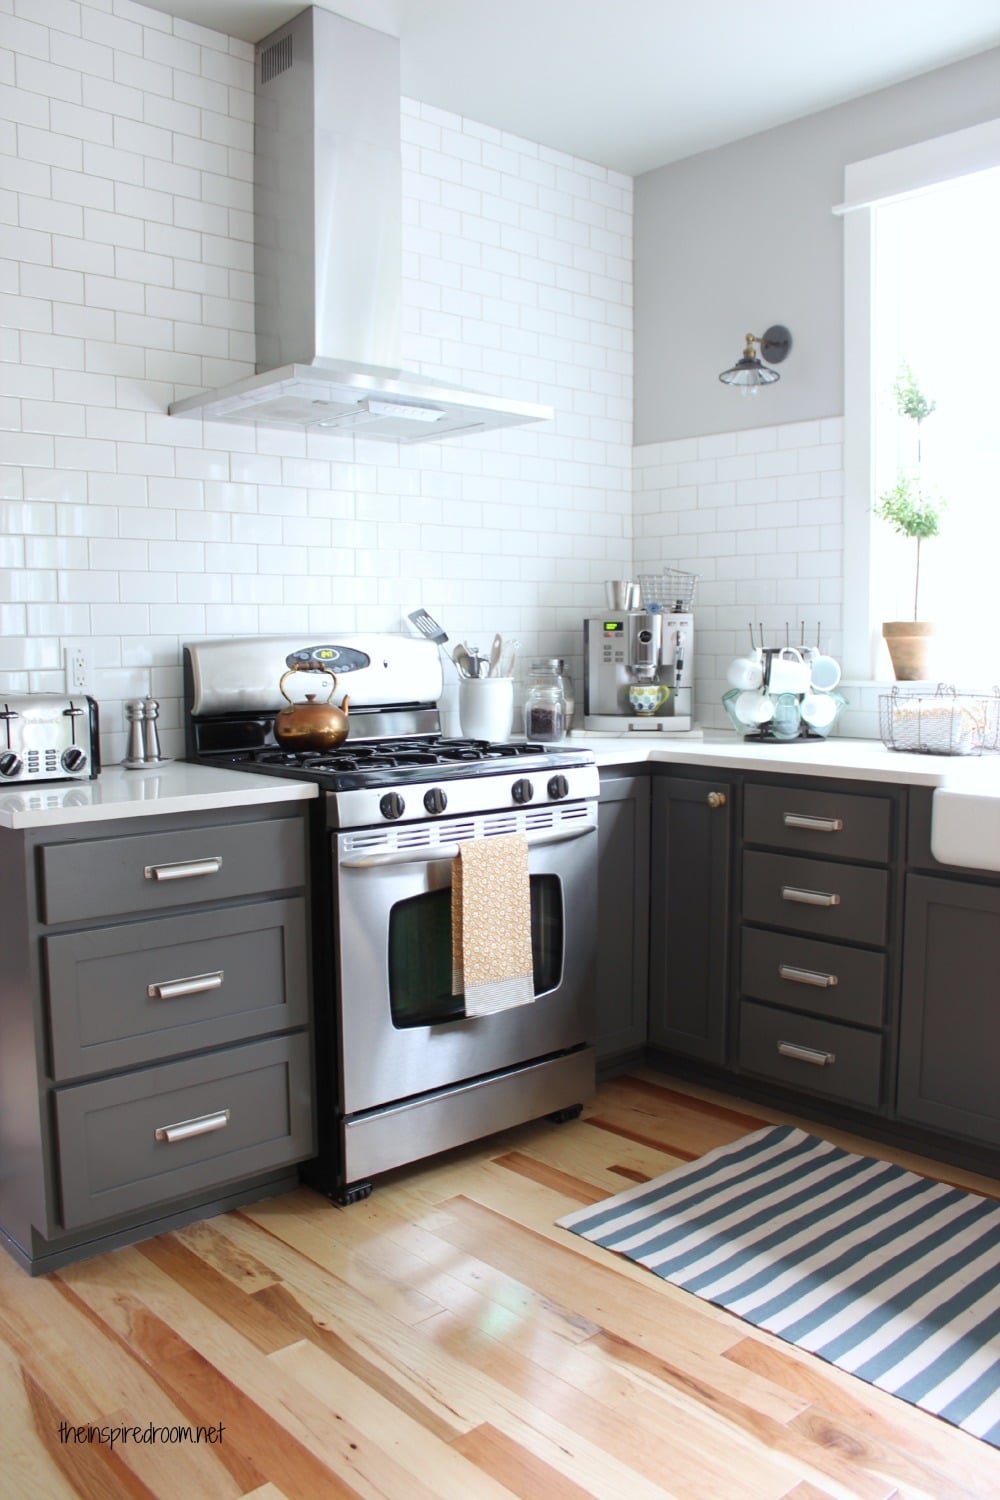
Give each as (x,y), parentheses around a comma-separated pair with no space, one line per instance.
(639,672)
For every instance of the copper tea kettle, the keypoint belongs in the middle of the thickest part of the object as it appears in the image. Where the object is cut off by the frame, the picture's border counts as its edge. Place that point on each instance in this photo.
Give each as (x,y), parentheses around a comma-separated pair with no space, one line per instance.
(311,725)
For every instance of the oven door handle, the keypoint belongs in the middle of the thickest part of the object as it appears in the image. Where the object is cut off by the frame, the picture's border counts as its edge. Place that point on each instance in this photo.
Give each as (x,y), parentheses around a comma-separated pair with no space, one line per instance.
(450,851)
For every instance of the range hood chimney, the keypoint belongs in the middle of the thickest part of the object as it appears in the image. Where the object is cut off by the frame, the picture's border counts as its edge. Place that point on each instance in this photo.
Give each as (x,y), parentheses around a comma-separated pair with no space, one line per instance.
(328,250)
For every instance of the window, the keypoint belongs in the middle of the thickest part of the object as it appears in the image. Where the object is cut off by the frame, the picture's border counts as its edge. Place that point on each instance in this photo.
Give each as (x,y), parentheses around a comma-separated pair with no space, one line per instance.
(922,301)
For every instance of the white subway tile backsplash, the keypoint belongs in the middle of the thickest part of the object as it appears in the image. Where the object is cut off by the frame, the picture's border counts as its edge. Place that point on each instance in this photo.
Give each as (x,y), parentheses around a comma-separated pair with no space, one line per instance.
(134,239)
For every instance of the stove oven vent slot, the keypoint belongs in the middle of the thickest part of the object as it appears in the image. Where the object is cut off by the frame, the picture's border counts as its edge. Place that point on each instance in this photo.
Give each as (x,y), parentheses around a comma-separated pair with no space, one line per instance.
(540,817)
(458,832)
(376,839)
(501,823)
(413,838)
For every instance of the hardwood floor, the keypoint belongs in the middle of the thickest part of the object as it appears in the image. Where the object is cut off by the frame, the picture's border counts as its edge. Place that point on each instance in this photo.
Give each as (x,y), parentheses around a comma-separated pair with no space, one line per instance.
(444,1339)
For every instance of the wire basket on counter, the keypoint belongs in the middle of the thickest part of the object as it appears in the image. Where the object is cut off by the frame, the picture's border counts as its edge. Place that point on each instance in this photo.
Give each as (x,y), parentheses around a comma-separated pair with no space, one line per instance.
(672,589)
(945,722)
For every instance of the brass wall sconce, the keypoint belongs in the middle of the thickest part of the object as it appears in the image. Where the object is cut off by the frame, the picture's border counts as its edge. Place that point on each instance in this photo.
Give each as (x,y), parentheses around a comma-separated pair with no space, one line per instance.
(749,372)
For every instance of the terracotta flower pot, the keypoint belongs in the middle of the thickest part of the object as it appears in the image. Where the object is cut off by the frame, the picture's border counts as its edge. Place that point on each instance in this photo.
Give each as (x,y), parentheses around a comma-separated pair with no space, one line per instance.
(909,643)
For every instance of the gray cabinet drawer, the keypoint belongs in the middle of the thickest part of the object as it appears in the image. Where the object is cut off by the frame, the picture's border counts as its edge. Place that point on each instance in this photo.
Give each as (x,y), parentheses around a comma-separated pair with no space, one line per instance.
(835,825)
(844,903)
(822,979)
(156,871)
(130,994)
(804,1052)
(114,1154)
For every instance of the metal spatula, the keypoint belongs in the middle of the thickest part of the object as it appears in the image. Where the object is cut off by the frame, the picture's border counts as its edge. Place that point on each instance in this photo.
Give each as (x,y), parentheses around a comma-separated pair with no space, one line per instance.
(428,627)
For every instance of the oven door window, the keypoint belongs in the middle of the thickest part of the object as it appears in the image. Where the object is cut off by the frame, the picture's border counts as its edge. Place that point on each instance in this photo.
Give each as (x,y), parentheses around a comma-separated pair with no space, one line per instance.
(420,953)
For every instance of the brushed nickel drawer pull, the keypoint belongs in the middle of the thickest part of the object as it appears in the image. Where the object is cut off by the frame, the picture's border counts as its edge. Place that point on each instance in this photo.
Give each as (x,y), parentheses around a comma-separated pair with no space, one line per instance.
(807,976)
(184,869)
(811,824)
(185,1129)
(806,1054)
(174,989)
(809,898)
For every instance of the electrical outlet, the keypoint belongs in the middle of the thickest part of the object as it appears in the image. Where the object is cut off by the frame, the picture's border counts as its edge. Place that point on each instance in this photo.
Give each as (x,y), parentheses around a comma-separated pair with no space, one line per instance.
(78,668)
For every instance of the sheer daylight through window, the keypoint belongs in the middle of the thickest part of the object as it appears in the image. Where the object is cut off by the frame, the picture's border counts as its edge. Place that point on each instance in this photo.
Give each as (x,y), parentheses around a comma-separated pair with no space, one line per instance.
(936,420)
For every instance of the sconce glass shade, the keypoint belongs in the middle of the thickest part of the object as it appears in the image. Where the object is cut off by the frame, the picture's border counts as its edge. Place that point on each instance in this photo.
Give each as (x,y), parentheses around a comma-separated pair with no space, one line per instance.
(748,373)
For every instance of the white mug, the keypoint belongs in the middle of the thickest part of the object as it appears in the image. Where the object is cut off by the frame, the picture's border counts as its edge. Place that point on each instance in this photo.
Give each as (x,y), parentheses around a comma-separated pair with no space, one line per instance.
(753,708)
(789,673)
(745,672)
(486,708)
(818,709)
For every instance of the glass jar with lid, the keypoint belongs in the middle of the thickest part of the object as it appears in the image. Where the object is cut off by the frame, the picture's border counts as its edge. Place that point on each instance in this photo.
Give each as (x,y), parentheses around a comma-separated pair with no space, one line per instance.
(545,709)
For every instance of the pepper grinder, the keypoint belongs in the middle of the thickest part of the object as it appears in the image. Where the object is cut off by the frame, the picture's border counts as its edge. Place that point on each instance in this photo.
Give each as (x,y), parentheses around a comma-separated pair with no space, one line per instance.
(150,732)
(135,751)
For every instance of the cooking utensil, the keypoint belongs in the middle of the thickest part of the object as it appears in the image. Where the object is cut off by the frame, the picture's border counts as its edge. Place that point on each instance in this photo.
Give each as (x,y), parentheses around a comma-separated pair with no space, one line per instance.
(427,626)
(509,658)
(495,652)
(310,725)
(461,659)
(476,663)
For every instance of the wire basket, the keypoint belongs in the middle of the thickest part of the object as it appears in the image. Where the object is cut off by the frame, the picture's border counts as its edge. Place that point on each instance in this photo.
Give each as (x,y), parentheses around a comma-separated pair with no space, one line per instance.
(945,722)
(671,589)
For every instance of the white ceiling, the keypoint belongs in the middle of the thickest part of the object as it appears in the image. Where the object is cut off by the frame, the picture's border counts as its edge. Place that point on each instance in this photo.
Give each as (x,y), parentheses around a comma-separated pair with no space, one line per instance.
(635,84)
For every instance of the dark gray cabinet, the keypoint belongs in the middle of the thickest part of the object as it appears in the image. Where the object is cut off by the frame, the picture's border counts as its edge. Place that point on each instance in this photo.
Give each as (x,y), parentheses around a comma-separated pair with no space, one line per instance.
(690,899)
(816,914)
(622,978)
(949,1032)
(155,1024)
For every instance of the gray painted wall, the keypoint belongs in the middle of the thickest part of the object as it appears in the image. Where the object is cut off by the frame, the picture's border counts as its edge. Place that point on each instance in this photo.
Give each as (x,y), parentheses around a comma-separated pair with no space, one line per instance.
(735,239)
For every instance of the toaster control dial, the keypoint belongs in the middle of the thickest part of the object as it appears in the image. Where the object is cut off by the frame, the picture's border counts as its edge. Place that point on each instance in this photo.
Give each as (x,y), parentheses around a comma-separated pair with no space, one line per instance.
(522,790)
(73,759)
(392,805)
(10,764)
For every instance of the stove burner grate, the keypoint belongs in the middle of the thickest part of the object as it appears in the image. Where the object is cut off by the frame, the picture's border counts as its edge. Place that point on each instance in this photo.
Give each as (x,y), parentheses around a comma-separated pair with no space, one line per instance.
(389,755)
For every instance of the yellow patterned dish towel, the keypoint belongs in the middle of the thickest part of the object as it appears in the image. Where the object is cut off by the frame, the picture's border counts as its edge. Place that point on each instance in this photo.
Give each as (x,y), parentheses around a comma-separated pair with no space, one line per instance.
(491,924)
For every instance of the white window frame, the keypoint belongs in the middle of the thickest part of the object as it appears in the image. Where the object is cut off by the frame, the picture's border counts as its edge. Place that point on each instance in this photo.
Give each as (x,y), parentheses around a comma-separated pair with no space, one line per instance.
(867,185)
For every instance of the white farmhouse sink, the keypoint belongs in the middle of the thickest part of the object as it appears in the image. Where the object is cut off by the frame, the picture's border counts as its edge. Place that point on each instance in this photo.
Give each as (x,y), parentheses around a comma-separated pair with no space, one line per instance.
(965,827)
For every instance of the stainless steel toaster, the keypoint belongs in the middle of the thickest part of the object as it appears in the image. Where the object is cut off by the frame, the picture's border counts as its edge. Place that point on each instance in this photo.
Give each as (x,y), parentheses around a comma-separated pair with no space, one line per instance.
(48,737)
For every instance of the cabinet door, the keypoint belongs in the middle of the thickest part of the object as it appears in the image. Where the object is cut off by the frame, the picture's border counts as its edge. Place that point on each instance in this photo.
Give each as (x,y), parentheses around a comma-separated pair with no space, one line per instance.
(949,1018)
(690,876)
(623,916)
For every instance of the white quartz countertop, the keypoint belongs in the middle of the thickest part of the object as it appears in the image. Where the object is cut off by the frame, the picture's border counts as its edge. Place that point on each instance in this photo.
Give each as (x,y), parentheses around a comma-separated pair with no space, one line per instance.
(174,787)
(178,786)
(851,760)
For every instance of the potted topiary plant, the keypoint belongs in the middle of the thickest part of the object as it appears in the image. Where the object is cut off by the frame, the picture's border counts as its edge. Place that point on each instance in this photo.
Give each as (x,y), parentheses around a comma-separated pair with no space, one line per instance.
(913,513)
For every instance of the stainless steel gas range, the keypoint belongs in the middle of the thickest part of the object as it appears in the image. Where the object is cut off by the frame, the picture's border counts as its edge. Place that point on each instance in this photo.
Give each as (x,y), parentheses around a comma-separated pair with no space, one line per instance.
(402,1070)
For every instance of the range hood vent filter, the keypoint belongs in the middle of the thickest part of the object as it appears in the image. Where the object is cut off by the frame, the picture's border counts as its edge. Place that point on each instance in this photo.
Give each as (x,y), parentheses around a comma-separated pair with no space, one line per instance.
(328,250)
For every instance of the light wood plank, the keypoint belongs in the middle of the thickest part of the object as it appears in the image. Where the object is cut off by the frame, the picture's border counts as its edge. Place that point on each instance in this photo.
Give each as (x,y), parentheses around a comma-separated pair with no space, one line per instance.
(445,1338)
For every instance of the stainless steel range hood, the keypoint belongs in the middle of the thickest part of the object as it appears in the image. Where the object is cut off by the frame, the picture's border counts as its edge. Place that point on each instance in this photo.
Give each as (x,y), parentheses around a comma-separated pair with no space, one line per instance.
(328,250)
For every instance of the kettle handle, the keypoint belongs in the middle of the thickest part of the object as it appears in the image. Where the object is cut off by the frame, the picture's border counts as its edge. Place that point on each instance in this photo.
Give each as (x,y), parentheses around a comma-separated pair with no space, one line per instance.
(299,668)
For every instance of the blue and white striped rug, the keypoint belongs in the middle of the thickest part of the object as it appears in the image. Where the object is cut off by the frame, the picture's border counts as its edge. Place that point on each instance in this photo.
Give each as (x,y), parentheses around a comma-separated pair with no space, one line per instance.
(891,1276)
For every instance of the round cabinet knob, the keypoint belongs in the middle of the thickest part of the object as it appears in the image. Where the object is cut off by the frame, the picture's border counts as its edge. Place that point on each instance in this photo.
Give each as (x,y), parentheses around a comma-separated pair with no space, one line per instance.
(10,764)
(558,788)
(522,790)
(435,800)
(73,759)
(392,805)
(716,799)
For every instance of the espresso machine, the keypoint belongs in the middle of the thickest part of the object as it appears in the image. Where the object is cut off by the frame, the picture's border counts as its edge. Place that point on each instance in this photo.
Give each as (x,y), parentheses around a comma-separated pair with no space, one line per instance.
(638,671)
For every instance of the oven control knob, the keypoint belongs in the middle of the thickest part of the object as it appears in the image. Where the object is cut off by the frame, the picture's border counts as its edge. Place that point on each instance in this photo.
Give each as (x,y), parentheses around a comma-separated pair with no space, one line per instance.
(10,764)
(392,805)
(558,788)
(435,800)
(73,759)
(522,790)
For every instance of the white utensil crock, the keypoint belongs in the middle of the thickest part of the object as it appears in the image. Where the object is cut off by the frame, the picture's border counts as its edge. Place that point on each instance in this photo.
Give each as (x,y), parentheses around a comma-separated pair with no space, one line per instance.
(486,708)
